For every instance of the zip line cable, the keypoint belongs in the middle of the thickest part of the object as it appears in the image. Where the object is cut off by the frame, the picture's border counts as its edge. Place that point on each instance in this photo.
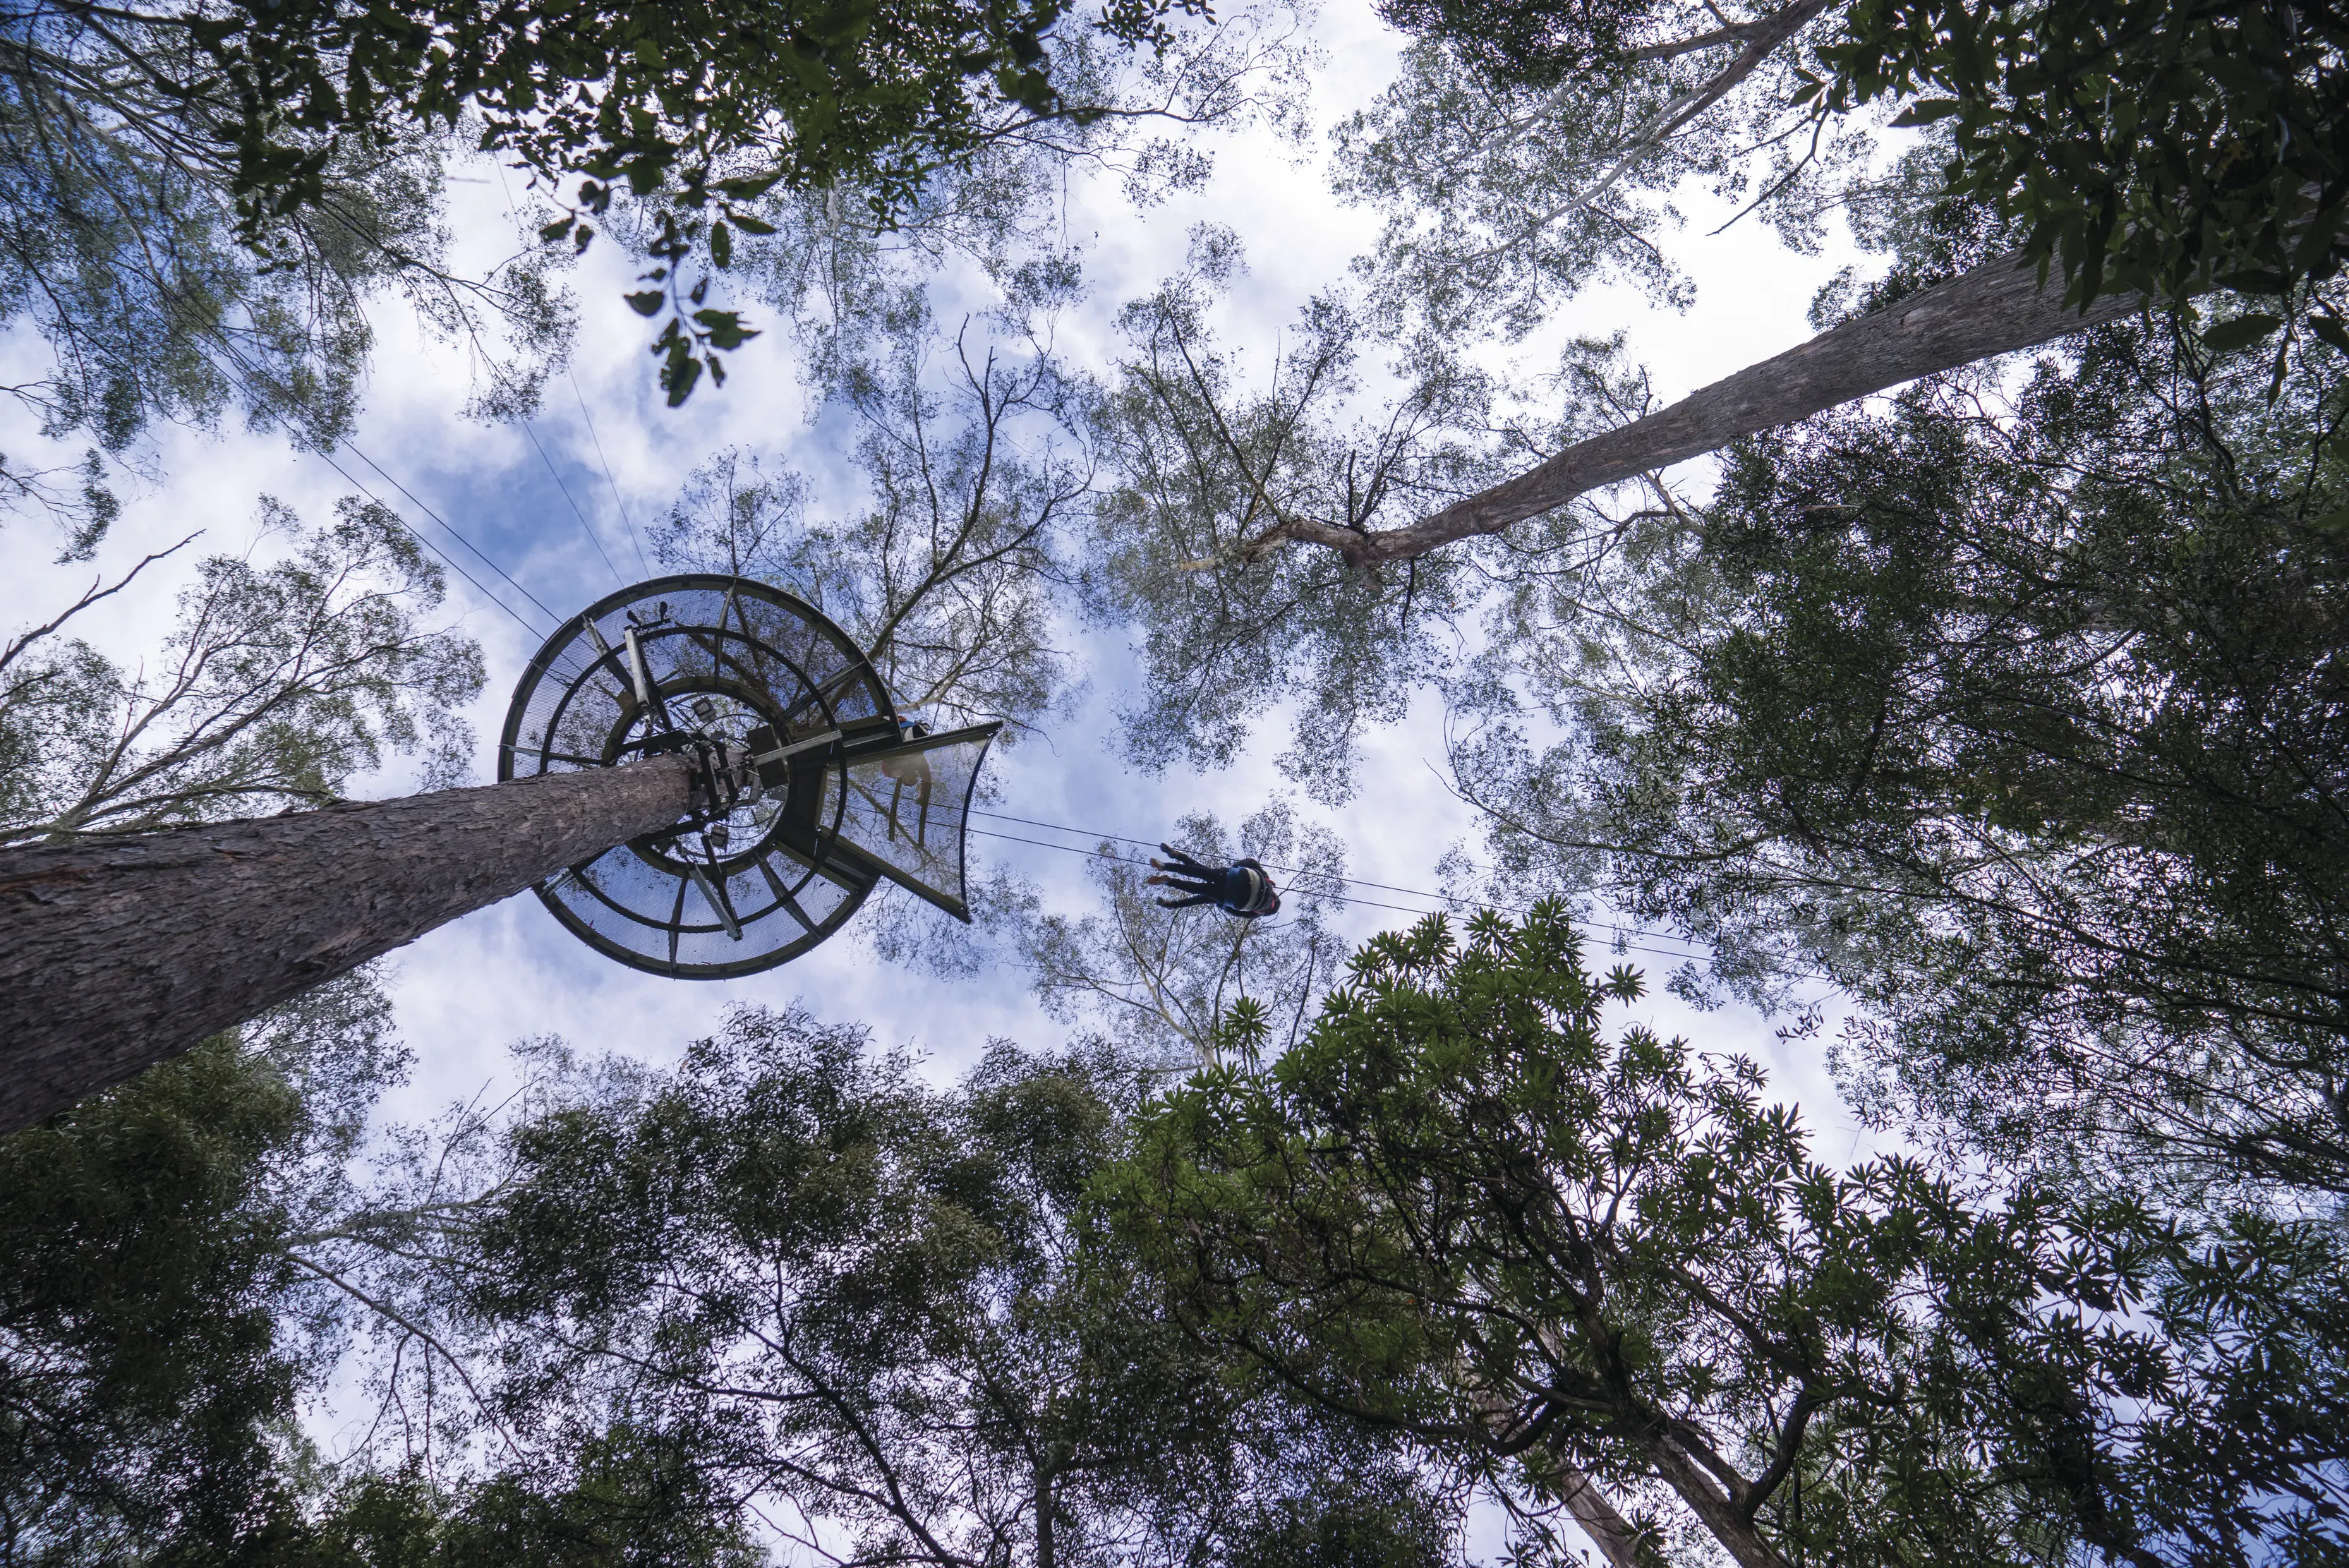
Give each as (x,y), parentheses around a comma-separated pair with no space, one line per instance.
(617,499)
(572,377)
(585,526)
(448,560)
(246,375)
(1269,866)
(1616,932)
(1308,871)
(1129,860)
(249,379)
(1367,903)
(568,664)
(425,507)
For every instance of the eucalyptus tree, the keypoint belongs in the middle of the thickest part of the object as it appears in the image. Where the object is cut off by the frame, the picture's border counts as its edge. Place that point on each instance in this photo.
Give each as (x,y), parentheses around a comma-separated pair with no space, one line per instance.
(2022,722)
(874,1314)
(1280,542)
(1197,468)
(1600,1270)
(1527,152)
(171,1306)
(1274,547)
(158,1337)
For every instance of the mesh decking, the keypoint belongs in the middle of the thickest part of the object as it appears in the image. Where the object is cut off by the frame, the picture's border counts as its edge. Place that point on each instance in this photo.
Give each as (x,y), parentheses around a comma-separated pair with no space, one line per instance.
(907,809)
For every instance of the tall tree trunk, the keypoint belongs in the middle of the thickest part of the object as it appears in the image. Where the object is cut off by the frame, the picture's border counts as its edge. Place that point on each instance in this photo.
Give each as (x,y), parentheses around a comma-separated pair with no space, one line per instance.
(1044,1542)
(1996,308)
(1608,1530)
(118,952)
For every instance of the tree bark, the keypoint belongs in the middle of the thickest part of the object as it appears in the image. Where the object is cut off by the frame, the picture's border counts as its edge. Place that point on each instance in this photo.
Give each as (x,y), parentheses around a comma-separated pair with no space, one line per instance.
(1713,1506)
(1608,1530)
(1998,308)
(118,952)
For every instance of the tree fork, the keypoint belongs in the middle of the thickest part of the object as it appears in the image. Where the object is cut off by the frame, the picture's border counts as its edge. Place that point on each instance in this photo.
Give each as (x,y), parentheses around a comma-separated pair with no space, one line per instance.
(1997,307)
(118,952)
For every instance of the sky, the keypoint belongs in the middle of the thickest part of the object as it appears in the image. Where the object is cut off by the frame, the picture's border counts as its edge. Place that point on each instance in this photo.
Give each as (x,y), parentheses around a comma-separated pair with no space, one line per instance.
(466,993)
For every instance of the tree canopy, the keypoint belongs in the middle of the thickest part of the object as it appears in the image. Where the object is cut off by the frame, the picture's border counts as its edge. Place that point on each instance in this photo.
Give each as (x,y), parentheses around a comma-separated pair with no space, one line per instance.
(1456,1209)
(2147,145)
(876,1317)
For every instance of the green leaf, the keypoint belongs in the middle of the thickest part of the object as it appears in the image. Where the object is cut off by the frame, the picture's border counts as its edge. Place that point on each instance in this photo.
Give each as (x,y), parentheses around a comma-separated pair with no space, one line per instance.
(721,245)
(2239,332)
(1925,111)
(724,328)
(748,188)
(556,230)
(2256,282)
(751,225)
(648,303)
(2332,332)
(679,371)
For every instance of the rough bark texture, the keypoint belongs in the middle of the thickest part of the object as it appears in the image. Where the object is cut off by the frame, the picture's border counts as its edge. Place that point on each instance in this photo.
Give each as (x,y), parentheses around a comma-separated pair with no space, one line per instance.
(115,953)
(1998,308)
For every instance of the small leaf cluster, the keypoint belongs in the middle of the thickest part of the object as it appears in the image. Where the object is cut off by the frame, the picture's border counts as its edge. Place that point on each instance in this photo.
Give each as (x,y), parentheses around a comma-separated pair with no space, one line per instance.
(696,333)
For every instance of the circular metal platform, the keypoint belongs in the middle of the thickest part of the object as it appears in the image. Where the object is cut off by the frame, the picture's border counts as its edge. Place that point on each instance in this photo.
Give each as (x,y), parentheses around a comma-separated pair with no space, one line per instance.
(726,662)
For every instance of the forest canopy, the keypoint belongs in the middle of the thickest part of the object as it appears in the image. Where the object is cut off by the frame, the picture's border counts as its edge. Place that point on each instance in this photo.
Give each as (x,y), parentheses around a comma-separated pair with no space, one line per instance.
(1959,692)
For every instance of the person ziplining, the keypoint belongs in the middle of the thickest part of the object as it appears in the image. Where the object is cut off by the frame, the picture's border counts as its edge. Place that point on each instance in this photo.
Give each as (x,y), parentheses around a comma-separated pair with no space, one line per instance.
(1241,888)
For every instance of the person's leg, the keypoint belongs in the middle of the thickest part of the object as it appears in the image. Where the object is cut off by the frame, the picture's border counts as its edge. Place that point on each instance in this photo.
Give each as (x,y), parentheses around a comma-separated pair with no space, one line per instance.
(1184,903)
(1182,863)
